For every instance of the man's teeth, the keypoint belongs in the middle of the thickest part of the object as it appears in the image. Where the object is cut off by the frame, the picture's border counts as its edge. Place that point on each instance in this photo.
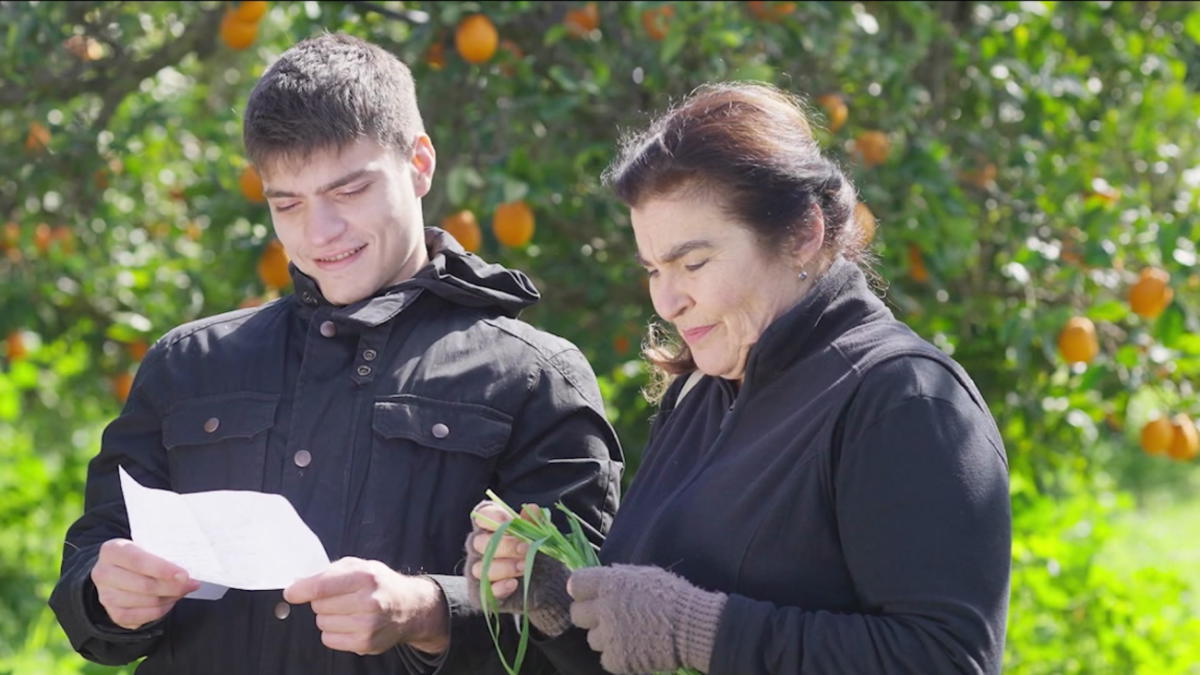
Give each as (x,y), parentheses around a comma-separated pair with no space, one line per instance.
(341,256)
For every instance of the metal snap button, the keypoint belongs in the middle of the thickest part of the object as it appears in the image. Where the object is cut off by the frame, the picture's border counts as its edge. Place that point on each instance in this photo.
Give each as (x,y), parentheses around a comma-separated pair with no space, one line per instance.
(211,424)
(302,458)
(282,610)
(328,329)
(364,370)
(369,354)
(440,430)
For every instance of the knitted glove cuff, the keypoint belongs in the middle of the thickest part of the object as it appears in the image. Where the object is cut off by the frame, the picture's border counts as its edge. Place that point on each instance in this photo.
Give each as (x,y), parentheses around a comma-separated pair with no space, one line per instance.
(552,614)
(696,629)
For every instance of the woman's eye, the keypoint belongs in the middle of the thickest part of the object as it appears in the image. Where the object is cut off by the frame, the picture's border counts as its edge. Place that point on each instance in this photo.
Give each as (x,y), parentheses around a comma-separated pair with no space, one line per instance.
(695,266)
(651,272)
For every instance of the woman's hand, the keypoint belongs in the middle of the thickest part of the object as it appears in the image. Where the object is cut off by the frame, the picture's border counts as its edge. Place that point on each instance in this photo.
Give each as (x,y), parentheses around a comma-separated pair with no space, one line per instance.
(548,602)
(645,619)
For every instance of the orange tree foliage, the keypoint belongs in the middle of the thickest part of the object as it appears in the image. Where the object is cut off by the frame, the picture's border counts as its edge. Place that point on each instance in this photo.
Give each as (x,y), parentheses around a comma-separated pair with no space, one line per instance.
(1023,162)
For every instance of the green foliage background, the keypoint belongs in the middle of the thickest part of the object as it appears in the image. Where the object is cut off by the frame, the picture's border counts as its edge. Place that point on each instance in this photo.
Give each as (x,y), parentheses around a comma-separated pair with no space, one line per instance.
(1088,111)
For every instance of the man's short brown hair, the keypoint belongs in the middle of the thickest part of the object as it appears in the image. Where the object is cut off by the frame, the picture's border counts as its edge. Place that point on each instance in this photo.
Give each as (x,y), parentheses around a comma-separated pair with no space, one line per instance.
(327,92)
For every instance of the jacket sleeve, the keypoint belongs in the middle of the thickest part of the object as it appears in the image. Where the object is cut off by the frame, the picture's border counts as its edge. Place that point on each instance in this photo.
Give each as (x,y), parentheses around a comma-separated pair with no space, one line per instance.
(923,510)
(561,449)
(133,440)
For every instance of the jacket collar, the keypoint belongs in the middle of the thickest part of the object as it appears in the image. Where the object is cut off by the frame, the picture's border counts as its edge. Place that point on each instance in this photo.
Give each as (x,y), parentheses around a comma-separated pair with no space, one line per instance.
(837,300)
(451,273)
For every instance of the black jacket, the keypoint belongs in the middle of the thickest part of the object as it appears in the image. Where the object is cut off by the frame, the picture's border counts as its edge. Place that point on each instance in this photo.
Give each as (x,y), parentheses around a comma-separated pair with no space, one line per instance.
(852,498)
(408,404)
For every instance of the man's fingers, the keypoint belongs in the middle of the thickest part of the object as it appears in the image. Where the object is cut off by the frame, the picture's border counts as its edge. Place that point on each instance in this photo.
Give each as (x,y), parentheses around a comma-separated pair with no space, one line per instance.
(120,578)
(488,516)
(501,568)
(126,554)
(332,582)
(347,623)
(509,547)
(133,611)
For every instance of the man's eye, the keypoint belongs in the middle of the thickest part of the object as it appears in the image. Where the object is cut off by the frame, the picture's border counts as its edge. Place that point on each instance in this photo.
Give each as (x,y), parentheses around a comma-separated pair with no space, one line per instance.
(695,266)
(285,207)
(351,193)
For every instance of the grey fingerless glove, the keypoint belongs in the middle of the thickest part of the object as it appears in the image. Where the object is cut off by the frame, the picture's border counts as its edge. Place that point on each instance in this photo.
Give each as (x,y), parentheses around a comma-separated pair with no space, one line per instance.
(645,619)
(549,604)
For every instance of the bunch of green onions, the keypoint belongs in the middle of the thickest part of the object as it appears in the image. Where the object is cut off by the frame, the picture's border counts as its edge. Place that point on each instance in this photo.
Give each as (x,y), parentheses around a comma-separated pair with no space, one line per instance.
(534,527)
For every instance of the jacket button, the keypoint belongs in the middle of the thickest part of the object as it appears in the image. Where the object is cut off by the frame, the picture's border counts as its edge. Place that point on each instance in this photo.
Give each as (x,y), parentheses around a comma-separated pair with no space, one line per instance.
(302,458)
(364,370)
(211,424)
(328,328)
(440,430)
(282,610)
(369,354)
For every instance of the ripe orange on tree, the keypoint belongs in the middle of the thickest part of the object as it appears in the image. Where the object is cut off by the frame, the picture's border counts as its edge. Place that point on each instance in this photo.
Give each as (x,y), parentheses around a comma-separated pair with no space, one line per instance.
(983,177)
(463,227)
(770,11)
(1156,436)
(1151,293)
(65,238)
(14,346)
(580,22)
(121,384)
(137,349)
(866,226)
(237,33)
(1185,441)
(42,236)
(250,10)
(512,223)
(83,47)
(873,147)
(656,21)
(476,38)
(835,110)
(435,55)
(916,264)
(37,138)
(251,185)
(1077,341)
(273,266)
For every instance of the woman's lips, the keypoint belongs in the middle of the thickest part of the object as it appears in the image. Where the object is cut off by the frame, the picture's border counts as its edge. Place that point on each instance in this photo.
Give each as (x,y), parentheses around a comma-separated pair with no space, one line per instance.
(694,334)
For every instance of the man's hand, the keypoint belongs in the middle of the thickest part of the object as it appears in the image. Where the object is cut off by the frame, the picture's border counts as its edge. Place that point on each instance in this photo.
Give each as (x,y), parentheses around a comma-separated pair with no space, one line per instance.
(365,607)
(136,587)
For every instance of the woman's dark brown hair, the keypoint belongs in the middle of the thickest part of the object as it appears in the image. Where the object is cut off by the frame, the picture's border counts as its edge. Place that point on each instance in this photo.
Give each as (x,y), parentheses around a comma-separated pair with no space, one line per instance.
(750,146)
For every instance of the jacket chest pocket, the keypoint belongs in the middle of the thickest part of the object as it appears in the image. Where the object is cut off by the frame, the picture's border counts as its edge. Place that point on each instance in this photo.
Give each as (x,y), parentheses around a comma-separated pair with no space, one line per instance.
(431,461)
(219,442)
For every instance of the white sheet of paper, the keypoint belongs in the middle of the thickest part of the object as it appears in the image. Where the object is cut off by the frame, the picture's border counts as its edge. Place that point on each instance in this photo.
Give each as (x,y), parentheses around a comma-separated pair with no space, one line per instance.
(226,538)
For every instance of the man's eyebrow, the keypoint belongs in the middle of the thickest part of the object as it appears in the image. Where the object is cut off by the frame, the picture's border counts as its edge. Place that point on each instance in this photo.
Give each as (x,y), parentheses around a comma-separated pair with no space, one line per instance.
(677,252)
(333,185)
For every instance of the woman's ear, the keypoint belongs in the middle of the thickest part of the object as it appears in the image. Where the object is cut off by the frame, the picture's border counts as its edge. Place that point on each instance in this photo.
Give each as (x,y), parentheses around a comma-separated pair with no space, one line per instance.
(809,238)
(424,161)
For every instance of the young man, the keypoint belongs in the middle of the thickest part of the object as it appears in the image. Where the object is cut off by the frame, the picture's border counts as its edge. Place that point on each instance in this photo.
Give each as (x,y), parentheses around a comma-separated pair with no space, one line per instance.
(381,398)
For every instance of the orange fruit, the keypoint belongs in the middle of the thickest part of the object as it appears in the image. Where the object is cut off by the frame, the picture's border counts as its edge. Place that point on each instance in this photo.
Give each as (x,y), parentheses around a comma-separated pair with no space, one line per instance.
(250,302)
(982,178)
(12,235)
(916,264)
(251,185)
(42,236)
(873,147)
(37,138)
(237,33)
(1077,341)
(273,266)
(83,47)
(1156,436)
(14,346)
(137,349)
(1151,293)
(512,223)
(620,345)
(656,21)
(1185,440)
(866,225)
(476,38)
(580,22)
(770,11)
(121,383)
(464,228)
(835,110)
(250,10)
(435,55)
(65,238)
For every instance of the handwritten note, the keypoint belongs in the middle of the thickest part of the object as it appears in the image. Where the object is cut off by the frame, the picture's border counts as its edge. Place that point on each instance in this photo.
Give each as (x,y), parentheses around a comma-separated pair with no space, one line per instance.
(225,538)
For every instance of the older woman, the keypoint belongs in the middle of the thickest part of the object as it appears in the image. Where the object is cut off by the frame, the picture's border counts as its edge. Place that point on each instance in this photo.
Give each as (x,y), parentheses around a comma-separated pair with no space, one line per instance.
(823,491)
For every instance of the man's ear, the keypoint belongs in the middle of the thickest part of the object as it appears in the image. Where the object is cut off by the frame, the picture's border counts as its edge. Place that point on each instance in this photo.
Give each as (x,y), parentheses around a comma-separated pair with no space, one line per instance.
(424,161)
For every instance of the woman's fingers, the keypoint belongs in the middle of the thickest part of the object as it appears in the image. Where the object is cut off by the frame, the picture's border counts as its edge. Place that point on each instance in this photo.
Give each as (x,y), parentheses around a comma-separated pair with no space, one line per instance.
(500,569)
(510,547)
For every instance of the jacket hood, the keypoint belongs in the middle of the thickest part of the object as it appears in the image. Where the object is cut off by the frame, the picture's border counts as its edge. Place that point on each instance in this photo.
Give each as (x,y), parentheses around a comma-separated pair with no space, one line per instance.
(452,273)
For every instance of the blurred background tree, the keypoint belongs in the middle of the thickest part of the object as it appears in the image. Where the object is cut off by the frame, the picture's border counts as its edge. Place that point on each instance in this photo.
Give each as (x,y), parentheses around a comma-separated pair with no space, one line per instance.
(1033,169)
